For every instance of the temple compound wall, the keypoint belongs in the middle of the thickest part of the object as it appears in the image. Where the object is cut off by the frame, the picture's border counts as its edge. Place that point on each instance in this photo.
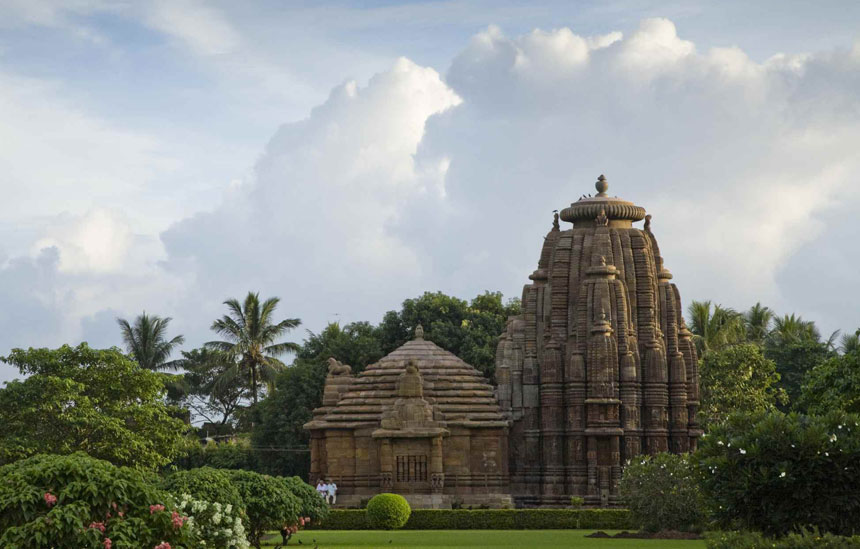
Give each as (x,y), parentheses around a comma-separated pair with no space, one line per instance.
(420,422)
(600,366)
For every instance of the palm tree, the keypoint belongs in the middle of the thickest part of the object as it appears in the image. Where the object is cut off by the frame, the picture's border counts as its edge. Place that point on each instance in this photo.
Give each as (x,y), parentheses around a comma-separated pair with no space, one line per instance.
(251,339)
(789,329)
(146,341)
(758,320)
(721,328)
(850,343)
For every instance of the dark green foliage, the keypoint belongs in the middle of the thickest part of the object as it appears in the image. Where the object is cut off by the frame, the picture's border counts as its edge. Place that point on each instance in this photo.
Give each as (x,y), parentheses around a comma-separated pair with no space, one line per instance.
(490,519)
(833,385)
(87,491)
(793,360)
(267,501)
(805,540)
(204,483)
(387,511)
(779,473)
(202,389)
(737,379)
(662,493)
(310,503)
(469,330)
(97,401)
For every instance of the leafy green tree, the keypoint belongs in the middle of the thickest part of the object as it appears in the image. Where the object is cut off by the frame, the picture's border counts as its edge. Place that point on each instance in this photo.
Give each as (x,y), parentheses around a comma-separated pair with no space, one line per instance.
(792,329)
(146,341)
(251,335)
(278,435)
(268,502)
(97,401)
(737,379)
(203,395)
(357,344)
(470,330)
(832,385)
(715,329)
(793,362)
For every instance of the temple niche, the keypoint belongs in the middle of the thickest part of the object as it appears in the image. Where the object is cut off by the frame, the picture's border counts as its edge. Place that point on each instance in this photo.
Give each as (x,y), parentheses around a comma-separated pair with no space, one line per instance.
(600,366)
(420,422)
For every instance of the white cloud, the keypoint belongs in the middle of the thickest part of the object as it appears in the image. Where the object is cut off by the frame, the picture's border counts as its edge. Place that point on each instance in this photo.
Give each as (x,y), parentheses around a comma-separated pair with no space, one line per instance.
(203,28)
(413,182)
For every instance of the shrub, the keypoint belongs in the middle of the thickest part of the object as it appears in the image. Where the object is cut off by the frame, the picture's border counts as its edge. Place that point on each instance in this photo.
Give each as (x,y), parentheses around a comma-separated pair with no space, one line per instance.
(576,501)
(213,524)
(311,505)
(78,501)
(490,519)
(388,511)
(662,493)
(804,540)
(205,484)
(778,473)
(269,504)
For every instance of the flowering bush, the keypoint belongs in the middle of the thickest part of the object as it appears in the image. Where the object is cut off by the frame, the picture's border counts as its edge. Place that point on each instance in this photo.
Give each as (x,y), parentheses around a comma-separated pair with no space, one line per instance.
(204,483)
(214,524)
(777,473)
(49,501)
(662,493)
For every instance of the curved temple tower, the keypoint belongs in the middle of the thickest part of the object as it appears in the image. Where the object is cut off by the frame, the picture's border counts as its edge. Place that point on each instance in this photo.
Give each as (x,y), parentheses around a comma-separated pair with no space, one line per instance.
(600,366)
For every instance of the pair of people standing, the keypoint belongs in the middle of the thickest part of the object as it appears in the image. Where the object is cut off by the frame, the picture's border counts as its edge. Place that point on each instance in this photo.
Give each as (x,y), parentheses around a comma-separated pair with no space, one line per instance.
(327,490)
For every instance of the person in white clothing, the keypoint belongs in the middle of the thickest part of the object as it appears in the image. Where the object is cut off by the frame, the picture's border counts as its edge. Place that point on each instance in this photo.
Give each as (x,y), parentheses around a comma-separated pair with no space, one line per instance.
(332,492)
(322,489)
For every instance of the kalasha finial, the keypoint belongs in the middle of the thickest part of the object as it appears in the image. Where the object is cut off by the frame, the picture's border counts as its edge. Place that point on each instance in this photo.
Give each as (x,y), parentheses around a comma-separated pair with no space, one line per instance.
(555,225)
(602,186)
(419,332)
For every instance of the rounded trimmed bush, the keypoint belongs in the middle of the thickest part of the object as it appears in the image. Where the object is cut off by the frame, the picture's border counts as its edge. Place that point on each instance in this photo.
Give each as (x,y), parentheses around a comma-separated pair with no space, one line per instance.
(388,511)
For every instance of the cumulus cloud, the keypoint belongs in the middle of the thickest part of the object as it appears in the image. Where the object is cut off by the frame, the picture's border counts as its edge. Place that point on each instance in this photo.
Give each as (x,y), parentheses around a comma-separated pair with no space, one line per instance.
(415,181)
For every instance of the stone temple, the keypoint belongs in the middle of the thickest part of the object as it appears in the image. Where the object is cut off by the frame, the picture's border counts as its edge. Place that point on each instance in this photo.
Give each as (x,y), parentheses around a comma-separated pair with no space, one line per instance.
(597,369)
(600,366)
(420,422)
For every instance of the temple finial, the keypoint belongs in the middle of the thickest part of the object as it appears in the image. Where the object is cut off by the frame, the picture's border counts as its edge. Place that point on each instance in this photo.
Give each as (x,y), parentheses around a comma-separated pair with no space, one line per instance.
(602,186)
(555,225)
(419,332)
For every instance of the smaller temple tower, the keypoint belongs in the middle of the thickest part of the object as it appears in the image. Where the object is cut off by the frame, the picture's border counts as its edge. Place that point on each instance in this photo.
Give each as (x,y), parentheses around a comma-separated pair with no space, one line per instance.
(420,422)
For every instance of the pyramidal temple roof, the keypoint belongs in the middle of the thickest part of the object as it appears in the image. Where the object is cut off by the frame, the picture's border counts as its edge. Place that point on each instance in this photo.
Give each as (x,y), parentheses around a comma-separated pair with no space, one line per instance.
(459,393)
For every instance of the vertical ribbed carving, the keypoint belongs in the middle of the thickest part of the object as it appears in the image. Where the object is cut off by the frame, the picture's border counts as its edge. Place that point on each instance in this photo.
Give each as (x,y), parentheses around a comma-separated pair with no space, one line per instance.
(607,366)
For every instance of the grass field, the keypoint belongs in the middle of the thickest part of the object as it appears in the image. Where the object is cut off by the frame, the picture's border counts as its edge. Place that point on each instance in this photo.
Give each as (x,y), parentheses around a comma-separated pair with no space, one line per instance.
(419,539)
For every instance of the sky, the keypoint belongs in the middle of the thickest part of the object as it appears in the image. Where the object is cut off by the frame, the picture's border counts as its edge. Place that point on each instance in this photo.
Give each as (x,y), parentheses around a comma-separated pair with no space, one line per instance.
(164,156)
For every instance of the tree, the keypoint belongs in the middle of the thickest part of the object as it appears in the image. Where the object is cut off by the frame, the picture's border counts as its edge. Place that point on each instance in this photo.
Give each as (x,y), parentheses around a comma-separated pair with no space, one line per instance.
(146,341)
(737,379)
(850,343)
(795,346)
(251,336)
(97,401)
(792,329)
(758,320)
(470,330)
(357,344)
(203,394)
(832,385)
(717,329)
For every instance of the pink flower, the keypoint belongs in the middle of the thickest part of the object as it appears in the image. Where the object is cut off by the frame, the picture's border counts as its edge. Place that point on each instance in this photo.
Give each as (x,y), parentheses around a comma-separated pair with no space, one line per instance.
(162,545)
(155,508)
(108,543)
(100,526)
(50,499)
(178,520)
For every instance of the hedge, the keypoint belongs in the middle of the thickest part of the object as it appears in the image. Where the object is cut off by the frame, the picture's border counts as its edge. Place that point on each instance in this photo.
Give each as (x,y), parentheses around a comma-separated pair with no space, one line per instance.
(490,519)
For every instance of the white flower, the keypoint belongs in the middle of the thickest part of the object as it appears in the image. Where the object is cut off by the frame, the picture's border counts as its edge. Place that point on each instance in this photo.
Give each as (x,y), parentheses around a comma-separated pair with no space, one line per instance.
(833,437)
(782,474)
(720,443)
(742,451)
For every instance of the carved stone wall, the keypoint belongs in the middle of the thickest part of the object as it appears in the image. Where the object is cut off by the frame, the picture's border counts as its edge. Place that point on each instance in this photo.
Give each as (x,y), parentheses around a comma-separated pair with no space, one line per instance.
(599,367)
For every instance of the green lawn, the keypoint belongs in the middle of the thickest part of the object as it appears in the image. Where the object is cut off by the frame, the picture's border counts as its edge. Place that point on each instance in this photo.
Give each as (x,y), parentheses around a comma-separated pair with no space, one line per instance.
(416,539)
